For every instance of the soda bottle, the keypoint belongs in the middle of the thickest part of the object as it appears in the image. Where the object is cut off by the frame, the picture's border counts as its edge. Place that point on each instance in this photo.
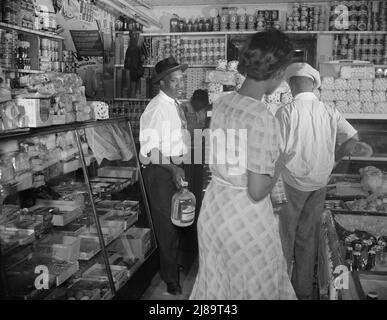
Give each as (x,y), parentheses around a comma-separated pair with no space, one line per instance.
(371,260)
(357,261)
(183,207)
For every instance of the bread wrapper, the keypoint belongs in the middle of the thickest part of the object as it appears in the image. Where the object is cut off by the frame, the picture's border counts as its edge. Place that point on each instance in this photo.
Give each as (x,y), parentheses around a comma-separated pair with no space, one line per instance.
(373,180)
(380,84)
(327,95)
(328,83)
(100,110)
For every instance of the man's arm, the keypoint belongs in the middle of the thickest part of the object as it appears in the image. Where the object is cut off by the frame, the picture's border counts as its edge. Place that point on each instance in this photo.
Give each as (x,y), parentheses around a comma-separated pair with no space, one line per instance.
(346,148)
(178,173)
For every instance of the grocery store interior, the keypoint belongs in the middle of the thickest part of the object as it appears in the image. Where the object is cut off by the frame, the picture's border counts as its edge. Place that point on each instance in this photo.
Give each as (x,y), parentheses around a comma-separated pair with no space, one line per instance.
(79,219)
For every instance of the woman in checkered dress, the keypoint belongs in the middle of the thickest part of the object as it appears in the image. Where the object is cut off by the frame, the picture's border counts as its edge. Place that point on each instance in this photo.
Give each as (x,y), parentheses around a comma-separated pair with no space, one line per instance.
(240,253)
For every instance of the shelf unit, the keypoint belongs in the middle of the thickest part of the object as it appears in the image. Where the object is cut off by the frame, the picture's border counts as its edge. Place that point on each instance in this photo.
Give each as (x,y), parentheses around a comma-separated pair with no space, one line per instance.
(24,71)
(90,211)
(43,34)
(365,116)
(35,38)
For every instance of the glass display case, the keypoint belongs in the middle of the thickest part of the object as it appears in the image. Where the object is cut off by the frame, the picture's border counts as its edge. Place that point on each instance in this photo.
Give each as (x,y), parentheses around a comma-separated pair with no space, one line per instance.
(74,219)
(352,255)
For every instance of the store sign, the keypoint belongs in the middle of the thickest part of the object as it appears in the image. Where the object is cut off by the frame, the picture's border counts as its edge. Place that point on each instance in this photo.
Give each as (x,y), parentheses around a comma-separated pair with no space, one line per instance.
(87,42)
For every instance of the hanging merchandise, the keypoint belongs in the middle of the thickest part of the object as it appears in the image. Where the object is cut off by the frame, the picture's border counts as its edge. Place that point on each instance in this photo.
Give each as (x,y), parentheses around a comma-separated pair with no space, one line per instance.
(133,58)
(183,207)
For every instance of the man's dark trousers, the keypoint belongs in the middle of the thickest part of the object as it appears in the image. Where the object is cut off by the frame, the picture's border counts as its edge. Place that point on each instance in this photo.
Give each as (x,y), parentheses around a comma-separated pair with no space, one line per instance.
(160,189)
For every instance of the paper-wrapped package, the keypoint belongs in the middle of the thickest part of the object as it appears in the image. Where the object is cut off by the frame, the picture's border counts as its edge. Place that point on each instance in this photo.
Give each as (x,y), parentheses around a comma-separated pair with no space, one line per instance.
(327,95)
(341,84)
(342,106)
(341,95)
(221,65)
(366,85)
(215,87)
(100,110)
(360,72)
(378,96)
(380,84)
(353,95)
(368,107)
(354,107)
(381,107)
(366,96)
(353,84)
(328,83)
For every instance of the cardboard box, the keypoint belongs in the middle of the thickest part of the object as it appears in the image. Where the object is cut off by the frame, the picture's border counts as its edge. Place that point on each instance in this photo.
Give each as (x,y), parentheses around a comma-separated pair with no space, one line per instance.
(37,111)
(117,172)
(333,68)
(61,247)
(140,241)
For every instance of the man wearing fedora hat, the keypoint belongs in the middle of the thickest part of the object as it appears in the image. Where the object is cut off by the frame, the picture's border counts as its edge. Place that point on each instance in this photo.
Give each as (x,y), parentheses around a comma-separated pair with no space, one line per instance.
(162,140)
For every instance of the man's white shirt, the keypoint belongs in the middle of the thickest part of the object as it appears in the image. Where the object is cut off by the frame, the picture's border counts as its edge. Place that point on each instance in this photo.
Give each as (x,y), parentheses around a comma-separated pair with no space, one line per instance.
(161,128)
(310,129)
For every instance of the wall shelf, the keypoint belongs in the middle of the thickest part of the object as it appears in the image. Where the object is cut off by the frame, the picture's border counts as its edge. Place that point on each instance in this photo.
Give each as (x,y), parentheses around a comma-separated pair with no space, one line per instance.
(30,31)
(365,158)
(365,116)
(222,33)
(24,71)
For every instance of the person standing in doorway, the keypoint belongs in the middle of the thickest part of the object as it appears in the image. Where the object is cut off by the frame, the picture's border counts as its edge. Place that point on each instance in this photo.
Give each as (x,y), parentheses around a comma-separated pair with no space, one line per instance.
(163,147)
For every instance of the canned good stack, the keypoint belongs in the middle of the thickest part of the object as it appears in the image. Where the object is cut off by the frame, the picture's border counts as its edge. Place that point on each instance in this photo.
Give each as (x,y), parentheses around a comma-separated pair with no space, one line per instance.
(305,18)
(362,15)
(359,47)
(49,55)
(8,45)
(27,14)
(68,63)
(192,51)
(45,21)
(364,254)
(132,110)
(87,11)
(194,24)
(267,19)
(10,11)
(23,59)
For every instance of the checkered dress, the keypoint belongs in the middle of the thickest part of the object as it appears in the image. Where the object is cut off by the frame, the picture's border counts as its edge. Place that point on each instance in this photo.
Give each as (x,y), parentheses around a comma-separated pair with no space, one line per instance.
(240,253)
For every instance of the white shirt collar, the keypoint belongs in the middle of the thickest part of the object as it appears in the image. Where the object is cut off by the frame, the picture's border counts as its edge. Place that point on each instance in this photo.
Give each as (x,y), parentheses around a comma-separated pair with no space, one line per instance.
(305,96)
(163,95)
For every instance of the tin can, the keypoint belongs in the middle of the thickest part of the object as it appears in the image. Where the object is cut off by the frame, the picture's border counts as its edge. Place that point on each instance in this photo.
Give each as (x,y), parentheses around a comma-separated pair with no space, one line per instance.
(242,22)
(278,195)
(277,25)
(268,15)
(275,15)
(261,24)
(260,14)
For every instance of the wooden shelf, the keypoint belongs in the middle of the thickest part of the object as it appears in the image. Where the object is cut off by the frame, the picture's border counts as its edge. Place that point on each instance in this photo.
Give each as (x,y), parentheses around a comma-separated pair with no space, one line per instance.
(366,158)
(24,71)
(132,99)
(365,116)
(30,31)
(222,33)
(190,66)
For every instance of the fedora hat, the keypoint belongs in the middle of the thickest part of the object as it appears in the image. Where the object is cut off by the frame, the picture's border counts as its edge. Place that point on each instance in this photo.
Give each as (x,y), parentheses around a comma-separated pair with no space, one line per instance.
(167,66)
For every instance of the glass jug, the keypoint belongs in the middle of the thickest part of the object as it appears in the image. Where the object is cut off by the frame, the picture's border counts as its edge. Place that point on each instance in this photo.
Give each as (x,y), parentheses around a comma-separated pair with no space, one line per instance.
(183,207)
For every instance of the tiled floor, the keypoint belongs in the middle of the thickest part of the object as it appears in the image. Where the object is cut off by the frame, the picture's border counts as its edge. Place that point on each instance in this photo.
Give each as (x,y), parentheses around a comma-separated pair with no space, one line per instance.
(157,289)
